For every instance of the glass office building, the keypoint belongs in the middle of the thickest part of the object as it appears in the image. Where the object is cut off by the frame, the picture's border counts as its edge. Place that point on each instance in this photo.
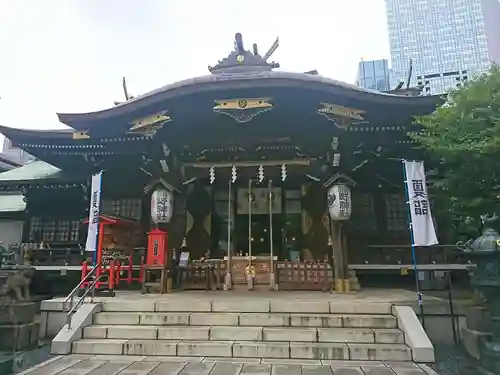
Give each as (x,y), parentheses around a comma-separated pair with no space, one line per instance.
(449,41)
(373,75)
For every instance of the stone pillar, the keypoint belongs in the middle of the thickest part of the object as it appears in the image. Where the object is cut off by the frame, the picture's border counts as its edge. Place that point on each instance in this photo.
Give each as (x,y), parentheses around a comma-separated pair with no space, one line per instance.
(18,329)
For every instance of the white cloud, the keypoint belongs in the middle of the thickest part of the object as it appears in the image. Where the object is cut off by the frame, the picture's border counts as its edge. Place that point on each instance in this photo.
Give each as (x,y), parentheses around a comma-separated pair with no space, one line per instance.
(70,55)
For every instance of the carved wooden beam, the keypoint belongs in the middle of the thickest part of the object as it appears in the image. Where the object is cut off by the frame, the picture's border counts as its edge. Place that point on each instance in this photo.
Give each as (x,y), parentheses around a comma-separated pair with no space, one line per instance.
(249,163)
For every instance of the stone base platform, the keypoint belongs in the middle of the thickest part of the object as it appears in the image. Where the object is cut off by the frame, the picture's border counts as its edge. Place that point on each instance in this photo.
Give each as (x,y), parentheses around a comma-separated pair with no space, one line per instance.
(18,331)
(17,313)
(19,336)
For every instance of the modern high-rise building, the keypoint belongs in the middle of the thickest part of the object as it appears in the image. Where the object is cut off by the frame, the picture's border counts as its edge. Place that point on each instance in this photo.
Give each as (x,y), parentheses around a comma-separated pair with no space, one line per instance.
(449,41)
(373,75)
(15,155)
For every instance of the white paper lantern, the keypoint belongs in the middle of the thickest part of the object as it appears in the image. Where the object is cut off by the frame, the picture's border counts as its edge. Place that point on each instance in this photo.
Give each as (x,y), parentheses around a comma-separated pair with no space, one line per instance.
(162,204)
(339,202)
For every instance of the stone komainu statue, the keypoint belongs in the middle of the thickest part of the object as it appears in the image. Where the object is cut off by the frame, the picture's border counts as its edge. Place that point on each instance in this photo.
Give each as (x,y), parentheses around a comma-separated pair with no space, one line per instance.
(16,283)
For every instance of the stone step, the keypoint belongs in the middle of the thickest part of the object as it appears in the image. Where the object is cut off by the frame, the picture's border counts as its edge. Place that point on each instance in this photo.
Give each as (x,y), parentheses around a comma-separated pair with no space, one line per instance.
(246,319)
(245,349)
(280,305)
(238,333)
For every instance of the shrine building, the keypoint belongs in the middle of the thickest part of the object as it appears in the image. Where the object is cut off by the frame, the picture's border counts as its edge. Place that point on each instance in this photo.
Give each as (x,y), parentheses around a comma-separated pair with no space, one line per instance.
(248,153)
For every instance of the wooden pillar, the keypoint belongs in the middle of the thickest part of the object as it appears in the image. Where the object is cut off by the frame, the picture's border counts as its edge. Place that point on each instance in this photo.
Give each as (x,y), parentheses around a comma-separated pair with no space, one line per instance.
(345,259)
(315,231)
(198,219)
(337,256)
(177,225)
(340,257)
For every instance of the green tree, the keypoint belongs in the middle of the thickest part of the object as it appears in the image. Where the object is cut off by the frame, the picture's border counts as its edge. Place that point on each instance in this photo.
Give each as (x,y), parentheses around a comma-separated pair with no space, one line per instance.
(462,140)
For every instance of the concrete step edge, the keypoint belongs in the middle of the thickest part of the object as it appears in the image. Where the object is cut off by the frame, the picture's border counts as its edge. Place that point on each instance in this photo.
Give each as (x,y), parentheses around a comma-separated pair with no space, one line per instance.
(272,305)
(248,320)
(248,349)
(295,343)
(289,328)
(295,313)
(250,333)
(228,341)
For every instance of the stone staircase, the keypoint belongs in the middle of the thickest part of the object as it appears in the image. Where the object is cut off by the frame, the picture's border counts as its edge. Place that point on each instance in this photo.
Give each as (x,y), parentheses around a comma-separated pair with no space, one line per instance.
(246,329)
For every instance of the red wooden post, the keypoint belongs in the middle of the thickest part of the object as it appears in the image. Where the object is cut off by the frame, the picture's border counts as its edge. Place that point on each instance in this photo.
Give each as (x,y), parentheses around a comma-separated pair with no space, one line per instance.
(83,273)
(111,275)
(100,242)
(130,260)
(98,272)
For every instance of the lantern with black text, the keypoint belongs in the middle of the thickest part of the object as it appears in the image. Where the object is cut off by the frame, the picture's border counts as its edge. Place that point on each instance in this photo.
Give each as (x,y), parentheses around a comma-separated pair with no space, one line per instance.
(162,202)
(339,202)
(157,247)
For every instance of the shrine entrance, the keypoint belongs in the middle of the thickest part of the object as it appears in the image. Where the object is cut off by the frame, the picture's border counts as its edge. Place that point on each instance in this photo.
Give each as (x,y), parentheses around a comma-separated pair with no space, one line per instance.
(260,235)
(272,228)
(258,221)
(255,229)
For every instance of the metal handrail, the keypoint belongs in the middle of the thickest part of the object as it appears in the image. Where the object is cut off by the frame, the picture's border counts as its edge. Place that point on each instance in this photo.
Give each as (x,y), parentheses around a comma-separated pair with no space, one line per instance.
(74,308)
(71,295)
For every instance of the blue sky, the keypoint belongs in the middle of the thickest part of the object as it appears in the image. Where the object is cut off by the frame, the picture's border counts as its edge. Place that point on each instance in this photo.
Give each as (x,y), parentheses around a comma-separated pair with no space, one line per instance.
(70,55)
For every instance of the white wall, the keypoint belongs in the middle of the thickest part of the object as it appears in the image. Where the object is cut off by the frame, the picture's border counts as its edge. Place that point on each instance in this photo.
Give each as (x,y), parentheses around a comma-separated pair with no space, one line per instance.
(11,232)
(15,154)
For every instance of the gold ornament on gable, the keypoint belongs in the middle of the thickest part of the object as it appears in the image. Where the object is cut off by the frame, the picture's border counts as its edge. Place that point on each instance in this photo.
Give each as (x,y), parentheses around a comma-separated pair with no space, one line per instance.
(81,135)
(242,109)
(149,125)
(342,116)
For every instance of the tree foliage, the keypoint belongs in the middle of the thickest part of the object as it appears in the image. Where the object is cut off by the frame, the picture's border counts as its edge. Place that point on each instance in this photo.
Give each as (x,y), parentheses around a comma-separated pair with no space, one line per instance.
(462,140)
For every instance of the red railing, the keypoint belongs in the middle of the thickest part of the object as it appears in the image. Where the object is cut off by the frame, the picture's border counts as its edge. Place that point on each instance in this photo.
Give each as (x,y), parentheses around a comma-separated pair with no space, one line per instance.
(113,271)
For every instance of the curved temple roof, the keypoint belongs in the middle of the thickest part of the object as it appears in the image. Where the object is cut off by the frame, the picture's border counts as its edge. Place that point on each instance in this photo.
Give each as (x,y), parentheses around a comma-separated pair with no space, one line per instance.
(243,80)
(243,69)
(240,70)
(36,135)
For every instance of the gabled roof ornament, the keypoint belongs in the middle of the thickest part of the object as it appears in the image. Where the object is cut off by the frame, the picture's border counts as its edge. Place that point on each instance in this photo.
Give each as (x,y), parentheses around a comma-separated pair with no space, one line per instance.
(125,92)
(407,90)
(159,182)
(242,61)
(340,178)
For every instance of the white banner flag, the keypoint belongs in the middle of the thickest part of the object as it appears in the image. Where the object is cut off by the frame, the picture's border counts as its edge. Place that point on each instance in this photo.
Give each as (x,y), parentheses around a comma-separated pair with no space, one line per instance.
(422,225)
(94,211)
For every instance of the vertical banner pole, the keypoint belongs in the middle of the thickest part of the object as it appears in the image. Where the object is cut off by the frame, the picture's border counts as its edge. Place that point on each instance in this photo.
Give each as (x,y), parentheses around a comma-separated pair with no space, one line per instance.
(228,281)
(249,267)
(250,223)
(94,215)
(272,278)
(413,252)
(331,256)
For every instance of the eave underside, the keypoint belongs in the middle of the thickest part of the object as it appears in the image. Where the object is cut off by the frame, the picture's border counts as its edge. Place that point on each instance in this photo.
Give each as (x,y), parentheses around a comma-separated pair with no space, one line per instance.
(293,127)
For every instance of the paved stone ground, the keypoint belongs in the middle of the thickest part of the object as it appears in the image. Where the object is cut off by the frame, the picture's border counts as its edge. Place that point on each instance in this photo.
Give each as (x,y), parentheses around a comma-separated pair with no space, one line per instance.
(452,360)
(126,365)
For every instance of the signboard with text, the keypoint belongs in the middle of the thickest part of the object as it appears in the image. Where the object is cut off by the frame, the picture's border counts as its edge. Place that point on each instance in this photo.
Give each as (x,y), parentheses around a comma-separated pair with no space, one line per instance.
(422,225)
(94,212)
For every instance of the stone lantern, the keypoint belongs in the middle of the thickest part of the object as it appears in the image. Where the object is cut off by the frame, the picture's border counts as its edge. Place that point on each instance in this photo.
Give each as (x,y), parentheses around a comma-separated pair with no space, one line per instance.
(485,253)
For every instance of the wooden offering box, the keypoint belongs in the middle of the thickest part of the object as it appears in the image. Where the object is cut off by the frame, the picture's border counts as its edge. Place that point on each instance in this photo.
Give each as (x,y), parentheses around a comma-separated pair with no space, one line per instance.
(262,266)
